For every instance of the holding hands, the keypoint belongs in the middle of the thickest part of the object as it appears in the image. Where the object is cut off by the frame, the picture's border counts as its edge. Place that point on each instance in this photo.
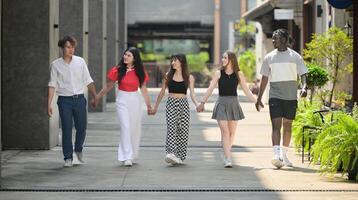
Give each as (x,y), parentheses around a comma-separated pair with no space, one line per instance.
(259,104)
(200,107)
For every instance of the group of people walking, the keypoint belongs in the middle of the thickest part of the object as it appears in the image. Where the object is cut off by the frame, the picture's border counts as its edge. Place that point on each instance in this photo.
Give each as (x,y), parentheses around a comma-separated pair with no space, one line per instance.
(69,76)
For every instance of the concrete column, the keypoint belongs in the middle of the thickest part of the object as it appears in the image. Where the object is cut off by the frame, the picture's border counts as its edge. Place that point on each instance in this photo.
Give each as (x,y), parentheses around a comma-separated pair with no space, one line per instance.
(230,12)
(71,21)
(96,37)
(217,32)
(26,56)
(112,30)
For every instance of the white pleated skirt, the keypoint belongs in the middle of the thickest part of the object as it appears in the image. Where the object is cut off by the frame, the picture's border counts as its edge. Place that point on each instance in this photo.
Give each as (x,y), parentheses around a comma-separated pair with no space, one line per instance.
(129,111)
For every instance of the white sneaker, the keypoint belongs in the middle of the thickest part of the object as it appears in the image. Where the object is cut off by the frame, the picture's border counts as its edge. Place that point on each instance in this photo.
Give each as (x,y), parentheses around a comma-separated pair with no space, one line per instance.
(128,163)
(286,162)
(277,162)
(79,156)
(227,163)
(172,159)
(68,163)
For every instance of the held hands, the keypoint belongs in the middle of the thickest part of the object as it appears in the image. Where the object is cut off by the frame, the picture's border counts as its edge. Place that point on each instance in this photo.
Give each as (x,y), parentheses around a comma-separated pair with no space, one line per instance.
(94,101)
(200,107)
(259,105)
(150,110)
(303,92)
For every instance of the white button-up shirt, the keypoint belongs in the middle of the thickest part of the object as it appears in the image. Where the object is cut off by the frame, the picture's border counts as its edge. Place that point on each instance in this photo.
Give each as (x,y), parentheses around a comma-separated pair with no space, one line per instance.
(69,79)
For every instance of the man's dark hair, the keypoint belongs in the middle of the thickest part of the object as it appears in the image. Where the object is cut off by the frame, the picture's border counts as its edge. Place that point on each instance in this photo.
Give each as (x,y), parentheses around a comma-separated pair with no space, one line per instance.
(281,33)
(71,40)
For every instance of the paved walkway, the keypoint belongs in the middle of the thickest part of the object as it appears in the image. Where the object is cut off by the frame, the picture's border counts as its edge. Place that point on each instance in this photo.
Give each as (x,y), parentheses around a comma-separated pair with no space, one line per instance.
(40,175)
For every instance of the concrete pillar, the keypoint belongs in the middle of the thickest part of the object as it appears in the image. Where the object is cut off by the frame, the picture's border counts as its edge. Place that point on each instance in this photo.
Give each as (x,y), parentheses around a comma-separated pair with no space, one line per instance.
(26,55)
(96,38)
(230,12)
(217,32)
(71,21)
(112,30)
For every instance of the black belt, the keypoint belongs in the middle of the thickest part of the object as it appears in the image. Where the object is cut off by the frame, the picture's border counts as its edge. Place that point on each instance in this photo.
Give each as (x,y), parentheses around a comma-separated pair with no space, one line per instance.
(76,96)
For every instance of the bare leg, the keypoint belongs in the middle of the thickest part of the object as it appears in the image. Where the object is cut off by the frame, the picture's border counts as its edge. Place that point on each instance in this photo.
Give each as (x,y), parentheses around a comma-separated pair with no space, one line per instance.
(276,131)
(225,137)
(232,131)
(287,132)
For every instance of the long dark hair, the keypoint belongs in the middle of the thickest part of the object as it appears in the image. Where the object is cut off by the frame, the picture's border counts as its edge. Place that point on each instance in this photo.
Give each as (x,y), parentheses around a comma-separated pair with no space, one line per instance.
(235,65)
(184,69)
(138,66)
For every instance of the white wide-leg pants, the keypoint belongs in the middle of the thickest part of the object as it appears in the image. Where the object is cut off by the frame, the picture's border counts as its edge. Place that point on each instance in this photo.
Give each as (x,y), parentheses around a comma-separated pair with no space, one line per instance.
(129,111)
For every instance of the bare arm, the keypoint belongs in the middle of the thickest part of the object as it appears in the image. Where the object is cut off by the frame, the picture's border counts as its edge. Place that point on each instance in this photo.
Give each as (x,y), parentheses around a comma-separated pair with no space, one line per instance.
(245,88)
(51,93)
(92,89)
(303,92)
(160,95)
(145,95)
(191,88)
(212,86)
(209,91)
(105,89)
(263,85)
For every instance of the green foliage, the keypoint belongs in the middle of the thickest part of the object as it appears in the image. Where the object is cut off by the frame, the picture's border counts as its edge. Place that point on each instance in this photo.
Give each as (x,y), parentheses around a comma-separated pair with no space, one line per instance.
(197,62)
(150,57)
(317,76)
(246,29)
(305,116)
(337,145)
(341,97)
(355,111)
(247,63)
(333,46)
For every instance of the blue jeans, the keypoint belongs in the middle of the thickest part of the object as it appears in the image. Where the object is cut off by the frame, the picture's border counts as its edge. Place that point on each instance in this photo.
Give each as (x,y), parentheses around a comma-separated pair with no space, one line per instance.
(72,109)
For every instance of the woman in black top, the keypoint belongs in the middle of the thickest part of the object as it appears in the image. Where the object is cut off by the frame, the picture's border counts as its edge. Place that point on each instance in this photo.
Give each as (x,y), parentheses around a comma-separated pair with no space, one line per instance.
(227,110)
(177,80)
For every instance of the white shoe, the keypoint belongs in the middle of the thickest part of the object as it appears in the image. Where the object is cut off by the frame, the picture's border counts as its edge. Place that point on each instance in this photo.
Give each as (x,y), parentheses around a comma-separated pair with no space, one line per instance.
(286,162)
(68,163)
(227,163)
(172,159)
(128,163)
(79,156)
(277,162)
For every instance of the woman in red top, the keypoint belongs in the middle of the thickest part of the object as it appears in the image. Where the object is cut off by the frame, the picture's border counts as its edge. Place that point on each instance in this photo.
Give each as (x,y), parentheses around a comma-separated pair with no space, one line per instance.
(130,76)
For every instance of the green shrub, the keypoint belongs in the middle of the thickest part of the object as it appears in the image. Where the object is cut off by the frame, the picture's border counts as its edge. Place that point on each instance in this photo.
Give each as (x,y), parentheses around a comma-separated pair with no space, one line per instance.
(337,145)
(247,63)
(305,117)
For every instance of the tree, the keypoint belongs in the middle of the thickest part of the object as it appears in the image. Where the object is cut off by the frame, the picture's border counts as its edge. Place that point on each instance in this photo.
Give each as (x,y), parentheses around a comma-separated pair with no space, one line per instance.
(331,49)
(316,77)
(247,63)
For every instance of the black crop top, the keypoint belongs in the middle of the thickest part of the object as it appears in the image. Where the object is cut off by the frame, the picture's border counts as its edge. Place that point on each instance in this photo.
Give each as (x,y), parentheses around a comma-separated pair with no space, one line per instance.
(227,84)
(177,87)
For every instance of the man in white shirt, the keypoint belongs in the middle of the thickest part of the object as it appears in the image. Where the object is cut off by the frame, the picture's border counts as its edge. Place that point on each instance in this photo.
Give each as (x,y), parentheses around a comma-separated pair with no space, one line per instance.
(282,65)
(69,76)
